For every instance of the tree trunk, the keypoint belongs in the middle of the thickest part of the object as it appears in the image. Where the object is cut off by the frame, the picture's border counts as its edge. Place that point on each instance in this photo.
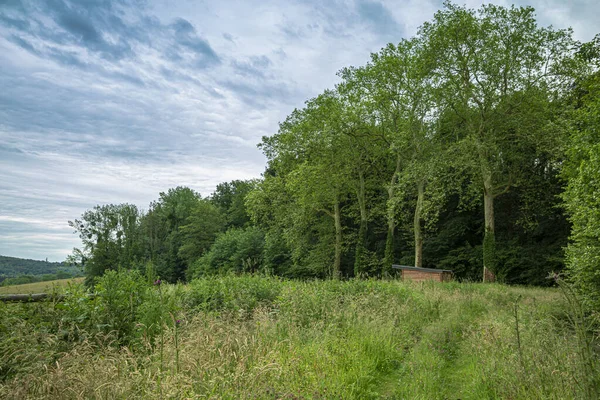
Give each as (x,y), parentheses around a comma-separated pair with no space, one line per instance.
(489,239)
(388,259)
(338,240)
(359,265)
(417,225)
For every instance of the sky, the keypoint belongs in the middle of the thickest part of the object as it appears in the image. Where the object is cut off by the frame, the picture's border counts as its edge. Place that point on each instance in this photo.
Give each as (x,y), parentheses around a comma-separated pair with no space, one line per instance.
(116,101)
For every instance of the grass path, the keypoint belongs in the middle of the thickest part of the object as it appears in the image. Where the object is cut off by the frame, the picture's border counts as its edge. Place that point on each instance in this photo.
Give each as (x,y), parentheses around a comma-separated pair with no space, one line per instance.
(443,364)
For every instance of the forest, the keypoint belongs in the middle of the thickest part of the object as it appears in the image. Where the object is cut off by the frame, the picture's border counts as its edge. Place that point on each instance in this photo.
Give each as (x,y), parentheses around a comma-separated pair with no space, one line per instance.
(14,271)
(471,146)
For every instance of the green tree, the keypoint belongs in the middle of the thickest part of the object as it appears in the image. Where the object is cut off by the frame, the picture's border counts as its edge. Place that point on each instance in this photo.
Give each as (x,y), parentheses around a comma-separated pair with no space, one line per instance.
(271,207)
(497,71)
(406,90)
(110,238)
(230,198)
(582,173)
(201,228)
(396,89)
(161,227)
(365,149)
(309,157)
(237,250)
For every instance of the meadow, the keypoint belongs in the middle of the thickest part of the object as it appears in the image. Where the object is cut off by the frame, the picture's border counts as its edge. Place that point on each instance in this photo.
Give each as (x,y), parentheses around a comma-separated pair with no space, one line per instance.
(252,337)
(40,287)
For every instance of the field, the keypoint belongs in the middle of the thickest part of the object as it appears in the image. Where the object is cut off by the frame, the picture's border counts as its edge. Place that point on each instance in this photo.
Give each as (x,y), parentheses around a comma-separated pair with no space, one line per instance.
(39,287)
(266,338)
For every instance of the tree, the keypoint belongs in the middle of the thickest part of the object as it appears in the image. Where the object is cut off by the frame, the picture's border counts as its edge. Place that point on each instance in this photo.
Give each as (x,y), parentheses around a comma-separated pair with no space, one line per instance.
(308,155)
(230,198)
(366,151)
(405,73)
(161,228)
(237,250)
(581,171)
(201,228)
(110,238)
(396,87)
(497,71)
(367,86)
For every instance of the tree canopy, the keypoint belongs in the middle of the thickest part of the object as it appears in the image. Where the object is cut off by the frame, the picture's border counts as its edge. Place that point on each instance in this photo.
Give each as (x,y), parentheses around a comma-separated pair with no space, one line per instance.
(450,149)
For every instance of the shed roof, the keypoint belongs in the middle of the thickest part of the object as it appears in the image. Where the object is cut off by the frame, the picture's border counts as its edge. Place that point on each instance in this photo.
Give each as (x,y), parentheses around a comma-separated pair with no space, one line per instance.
(408,268)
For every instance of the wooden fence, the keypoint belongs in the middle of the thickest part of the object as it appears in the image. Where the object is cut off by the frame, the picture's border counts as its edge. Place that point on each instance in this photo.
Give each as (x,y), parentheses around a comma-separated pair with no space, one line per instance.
(26,298)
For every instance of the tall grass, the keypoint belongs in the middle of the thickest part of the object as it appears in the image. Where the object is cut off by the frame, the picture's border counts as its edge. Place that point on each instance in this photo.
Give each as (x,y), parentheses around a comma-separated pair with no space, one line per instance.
(266,338)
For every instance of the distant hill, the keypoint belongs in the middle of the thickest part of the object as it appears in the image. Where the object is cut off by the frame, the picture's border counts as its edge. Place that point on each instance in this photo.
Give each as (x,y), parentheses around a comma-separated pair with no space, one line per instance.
(12,266)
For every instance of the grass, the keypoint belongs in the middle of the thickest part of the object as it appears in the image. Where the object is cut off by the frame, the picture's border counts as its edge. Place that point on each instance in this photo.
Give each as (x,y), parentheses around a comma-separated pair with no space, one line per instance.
(264,338)
(39,287)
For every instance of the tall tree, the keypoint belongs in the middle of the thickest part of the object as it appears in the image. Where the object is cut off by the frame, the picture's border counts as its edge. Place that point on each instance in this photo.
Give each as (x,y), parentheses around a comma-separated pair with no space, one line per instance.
(397,87)
(497,71)
(110,238)
(405,73)
(162,230)
(230,198)
(365,151)
(582,194)
(308,154)
(201,228)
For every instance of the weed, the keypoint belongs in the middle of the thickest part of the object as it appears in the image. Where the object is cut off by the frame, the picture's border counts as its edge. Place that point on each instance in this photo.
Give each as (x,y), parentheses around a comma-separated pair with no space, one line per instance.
(253,337)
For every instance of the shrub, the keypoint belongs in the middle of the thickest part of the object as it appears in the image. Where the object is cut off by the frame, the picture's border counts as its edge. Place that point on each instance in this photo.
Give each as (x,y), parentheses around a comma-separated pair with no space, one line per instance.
(119,295)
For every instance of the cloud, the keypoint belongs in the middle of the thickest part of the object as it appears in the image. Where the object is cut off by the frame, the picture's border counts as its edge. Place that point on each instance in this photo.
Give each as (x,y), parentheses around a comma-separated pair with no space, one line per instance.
(110,31)
(186,37)
(115,101)
(255,66)
(378,18)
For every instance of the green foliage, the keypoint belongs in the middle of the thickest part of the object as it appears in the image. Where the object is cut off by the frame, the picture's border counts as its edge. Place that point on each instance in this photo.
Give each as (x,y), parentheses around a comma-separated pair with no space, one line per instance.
(124,306)
(201,228)
(396,164)
(162,228)
(237,250)
(277,258)
(119,294)
(582,195)
(11,267)
(230,198)
(440,115)
(497,71)
(110,238)
(23,279)
(233,294)
(263,337)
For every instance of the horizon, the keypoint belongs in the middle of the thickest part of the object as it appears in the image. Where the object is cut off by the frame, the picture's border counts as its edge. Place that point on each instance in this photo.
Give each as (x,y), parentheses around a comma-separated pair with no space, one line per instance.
(117,102)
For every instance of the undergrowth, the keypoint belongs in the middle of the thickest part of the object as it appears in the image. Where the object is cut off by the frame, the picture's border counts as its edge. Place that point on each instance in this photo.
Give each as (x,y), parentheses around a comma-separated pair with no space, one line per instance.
(256,337)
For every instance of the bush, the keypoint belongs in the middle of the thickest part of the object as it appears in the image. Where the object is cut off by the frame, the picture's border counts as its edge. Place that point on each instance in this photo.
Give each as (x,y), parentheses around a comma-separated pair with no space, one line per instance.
(119,295)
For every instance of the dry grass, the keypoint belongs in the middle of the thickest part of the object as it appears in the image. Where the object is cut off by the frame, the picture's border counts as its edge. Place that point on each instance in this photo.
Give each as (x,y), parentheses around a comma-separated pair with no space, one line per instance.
(40,287)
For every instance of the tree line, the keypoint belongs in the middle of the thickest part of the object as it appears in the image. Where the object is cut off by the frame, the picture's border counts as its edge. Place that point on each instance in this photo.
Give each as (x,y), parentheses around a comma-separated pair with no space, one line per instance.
(471,146)
(12,267)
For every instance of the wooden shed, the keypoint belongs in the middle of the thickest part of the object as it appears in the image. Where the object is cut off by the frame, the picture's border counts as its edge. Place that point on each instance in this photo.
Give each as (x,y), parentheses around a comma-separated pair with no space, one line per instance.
(422,274)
